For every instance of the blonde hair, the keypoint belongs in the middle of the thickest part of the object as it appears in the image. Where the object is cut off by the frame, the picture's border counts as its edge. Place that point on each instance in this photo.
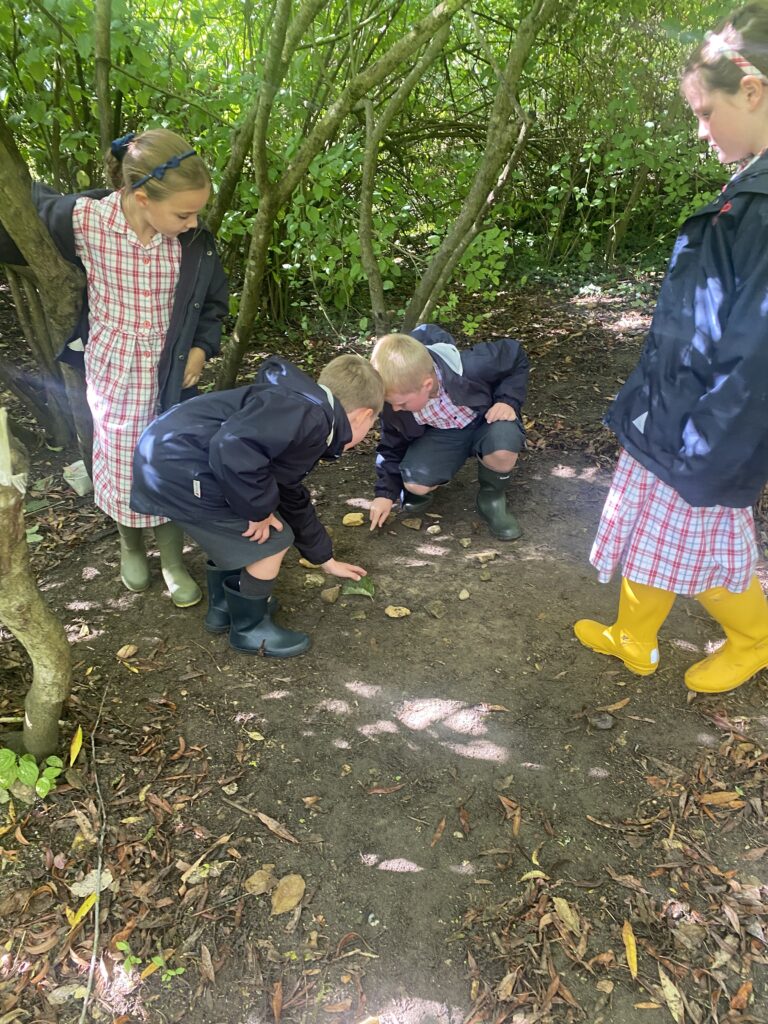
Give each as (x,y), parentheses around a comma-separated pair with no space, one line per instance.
(142,154)
(403,362)
(354,382)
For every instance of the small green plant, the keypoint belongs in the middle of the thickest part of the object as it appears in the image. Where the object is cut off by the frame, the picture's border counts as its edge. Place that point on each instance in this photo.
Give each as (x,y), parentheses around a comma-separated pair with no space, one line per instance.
(129,960)
(167,973)
(26,770)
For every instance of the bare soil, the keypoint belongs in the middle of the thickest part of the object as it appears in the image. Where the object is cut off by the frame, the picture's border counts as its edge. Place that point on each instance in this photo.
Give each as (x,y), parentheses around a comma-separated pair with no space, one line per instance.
(485,815)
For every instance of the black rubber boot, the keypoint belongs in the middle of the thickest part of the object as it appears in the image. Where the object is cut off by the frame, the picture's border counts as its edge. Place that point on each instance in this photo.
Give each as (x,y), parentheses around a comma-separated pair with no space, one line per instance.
(252,630)
(217,616)
(415,502)
(492,503)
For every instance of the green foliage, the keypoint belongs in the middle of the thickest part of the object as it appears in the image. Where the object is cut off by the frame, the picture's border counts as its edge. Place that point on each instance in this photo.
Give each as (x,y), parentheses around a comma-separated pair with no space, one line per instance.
(25,769)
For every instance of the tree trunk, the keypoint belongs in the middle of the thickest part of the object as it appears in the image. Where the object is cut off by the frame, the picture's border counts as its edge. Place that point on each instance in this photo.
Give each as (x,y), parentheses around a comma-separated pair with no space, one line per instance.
(102,57)
(374,135)
(274,196)
(498,145)
(24,612)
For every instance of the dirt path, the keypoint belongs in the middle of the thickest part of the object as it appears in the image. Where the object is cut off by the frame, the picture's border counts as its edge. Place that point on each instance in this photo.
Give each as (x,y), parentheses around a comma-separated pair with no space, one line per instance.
(472,826)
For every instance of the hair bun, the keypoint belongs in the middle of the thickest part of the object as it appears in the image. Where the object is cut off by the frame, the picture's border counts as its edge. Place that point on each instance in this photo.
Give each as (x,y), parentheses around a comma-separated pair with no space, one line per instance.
(119,147)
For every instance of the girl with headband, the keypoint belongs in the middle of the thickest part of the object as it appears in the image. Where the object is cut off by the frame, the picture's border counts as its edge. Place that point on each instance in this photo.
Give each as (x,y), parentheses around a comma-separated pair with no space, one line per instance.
(692,417)
(156,296)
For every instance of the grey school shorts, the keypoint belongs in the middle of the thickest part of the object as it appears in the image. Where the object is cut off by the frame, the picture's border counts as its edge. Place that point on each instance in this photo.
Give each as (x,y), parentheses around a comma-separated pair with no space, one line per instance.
(438,455)
(222,540)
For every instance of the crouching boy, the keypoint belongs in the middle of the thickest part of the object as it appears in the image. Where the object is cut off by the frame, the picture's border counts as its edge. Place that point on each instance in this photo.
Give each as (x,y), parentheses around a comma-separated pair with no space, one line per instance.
(441,406)
(228,467)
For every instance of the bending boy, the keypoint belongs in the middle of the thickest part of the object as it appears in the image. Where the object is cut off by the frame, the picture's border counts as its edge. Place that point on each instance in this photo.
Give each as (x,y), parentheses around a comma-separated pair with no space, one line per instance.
(228,467)
(441,406)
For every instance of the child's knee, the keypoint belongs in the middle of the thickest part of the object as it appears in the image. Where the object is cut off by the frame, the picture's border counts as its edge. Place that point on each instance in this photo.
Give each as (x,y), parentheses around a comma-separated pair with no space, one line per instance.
(500,461)
(418,488)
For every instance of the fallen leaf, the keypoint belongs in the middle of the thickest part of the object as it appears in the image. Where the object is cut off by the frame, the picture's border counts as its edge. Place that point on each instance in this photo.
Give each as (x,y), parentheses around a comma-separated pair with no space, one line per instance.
(127,651)
(672,996)
(364,587)
(342,1007)
(277,1001)
(206,964)
(76,916)
(276,827)
(288,894)
(464,819)
(742,997)
(92,883)
(75,745)
(615,707)
(438,833)
(721,797)
(384,790)
(393,611)
(530,875)
(310,801)
(757,854)
(567,914)
(259,882)
(605,985)
(353,519)
(630,946)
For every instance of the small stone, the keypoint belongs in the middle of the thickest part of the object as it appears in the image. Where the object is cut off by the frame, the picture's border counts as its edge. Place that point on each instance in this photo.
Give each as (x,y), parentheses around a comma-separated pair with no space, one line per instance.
(436,609)
(353,519)
(315,579)
(465,541)
(358,615)
(485,575)
(331,595)
(464,595)
(601,720)
(434,529)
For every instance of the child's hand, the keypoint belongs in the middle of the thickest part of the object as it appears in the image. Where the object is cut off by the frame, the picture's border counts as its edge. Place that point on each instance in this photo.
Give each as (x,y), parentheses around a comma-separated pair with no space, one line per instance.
(194,367)
(379,511)
(343,570)
(500,411)
(260,531)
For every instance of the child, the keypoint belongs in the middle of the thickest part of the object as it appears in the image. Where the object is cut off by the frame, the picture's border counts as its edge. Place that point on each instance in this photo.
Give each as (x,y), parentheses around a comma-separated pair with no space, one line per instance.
(442,406)
(156,295)
(229,465)
(693,416)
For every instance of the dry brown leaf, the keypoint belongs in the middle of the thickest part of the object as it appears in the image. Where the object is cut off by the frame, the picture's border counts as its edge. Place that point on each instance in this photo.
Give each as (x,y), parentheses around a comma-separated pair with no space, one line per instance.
(342,1007)
(464,819)
(742,997)
(384,790)
(277,1001)
(206,964)
(757,854)
(127,651)
(630,947)
(288,894)
(276,827)
(672,996)
(438,833)
(615,707)
(720,797)
(259,882)
(567,915)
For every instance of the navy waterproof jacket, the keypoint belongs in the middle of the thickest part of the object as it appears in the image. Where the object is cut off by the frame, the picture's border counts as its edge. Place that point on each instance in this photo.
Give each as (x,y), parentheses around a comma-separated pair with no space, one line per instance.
(200,301)
(695,409)
(493,371)
(243,453)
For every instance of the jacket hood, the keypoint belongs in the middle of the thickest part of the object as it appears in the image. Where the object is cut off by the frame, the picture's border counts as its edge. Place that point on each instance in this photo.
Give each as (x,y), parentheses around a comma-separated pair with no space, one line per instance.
(280,373)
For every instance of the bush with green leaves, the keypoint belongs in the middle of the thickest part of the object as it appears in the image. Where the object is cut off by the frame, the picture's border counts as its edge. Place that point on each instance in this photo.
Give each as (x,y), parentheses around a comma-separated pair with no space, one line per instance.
(25,769)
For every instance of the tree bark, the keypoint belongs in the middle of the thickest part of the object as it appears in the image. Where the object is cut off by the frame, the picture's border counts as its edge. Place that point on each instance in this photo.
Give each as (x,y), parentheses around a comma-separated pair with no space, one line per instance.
(274,195)
(24,612)
(103,60)
(499,136)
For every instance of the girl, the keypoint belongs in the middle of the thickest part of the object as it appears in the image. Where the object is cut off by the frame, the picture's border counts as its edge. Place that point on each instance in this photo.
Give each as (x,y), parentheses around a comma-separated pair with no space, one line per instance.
(156,295)
(692,417)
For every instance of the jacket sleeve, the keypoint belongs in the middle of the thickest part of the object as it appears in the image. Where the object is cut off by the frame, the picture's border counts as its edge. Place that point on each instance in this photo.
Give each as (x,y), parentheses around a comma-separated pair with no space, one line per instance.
(729,422)
(311,537)
(503,364)
(215,308)
(390,450)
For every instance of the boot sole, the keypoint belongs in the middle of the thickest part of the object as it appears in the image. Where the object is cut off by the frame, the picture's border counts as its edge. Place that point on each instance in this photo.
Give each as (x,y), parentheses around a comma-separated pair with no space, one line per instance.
(727,689)
(266,654)
(135,590)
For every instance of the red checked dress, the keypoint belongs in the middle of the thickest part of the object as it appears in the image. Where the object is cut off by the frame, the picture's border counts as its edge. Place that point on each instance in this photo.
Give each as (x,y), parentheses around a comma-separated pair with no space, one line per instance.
(659,539)
(130,296)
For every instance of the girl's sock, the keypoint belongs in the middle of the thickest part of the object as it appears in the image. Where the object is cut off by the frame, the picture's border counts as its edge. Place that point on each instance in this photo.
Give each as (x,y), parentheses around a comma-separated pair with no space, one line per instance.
(250,586)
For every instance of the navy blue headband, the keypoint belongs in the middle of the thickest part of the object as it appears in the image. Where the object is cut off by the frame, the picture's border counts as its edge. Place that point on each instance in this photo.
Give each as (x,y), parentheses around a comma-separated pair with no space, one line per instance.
(159,172)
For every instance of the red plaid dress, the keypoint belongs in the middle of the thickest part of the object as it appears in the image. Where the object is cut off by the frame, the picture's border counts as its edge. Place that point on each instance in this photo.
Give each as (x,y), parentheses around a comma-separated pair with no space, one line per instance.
(660,540)
(130,296)
(442,412)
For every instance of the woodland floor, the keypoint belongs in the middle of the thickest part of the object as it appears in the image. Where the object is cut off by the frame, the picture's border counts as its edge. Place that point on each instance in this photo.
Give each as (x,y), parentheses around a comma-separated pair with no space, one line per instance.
(486,816)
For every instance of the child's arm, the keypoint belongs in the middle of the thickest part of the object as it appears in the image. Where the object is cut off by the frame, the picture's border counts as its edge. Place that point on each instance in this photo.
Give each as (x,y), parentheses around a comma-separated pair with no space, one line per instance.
(504,365)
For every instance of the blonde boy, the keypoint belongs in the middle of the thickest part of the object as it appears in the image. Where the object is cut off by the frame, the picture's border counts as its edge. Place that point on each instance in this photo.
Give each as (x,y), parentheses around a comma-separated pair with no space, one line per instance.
(442,406)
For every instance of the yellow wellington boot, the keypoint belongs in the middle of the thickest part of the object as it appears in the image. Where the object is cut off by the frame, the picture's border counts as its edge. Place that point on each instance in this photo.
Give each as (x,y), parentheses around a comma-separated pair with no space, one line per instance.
(744,617)
(632,637)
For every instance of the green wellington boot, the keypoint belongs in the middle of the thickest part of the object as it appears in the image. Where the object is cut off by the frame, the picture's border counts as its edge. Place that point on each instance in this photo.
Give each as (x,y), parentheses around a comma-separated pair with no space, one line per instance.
(170,542)
(491,503)
(415,502)
(134,568)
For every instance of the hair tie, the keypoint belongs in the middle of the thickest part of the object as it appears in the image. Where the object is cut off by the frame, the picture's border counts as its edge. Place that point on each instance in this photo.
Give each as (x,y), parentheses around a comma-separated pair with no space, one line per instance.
(159,172)
(722,49)
(119,147)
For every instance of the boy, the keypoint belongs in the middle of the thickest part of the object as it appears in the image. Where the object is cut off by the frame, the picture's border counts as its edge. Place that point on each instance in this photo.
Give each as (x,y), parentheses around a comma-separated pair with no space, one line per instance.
(441,406)
(228,467)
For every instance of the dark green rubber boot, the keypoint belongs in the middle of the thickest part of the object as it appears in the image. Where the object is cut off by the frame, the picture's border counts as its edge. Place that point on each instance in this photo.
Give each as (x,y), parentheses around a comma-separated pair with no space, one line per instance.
(492,503)
(217,616)
(252,630)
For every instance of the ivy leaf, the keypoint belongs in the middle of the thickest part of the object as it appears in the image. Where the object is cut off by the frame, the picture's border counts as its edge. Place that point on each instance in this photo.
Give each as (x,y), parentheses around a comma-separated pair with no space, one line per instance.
(27,770)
